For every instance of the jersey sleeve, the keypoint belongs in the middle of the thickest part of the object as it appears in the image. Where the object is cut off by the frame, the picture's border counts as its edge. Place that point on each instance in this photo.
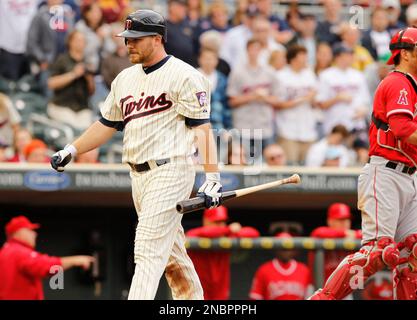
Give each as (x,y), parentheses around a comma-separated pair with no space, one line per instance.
(257,291)
(324,91)
(399,97)
(110,110)
(38,265)
(326,232)
(247,232)
(194,97)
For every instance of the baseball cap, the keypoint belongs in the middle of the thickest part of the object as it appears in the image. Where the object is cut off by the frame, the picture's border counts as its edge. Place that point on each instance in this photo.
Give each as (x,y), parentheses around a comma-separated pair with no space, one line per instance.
(339,211)
(391,4)
(339,48)
(281,235)
(33,145)
(216,214)
(19,222)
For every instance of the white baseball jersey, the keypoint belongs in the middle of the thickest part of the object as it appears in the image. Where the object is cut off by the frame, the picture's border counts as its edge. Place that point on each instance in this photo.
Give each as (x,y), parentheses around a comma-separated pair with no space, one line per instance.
(154,105)
(299,122)
(333,81)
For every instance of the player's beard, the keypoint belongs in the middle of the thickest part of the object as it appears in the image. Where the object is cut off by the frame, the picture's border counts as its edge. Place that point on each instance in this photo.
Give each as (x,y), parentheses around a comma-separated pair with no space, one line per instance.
(140,57)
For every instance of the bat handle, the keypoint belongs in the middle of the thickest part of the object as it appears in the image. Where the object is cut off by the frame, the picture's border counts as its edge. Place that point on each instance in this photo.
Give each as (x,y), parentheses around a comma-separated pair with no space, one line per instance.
(198,203)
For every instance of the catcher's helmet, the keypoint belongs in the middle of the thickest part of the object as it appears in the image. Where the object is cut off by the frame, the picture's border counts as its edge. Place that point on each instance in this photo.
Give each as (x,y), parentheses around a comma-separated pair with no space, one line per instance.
(403,39)
(142,23)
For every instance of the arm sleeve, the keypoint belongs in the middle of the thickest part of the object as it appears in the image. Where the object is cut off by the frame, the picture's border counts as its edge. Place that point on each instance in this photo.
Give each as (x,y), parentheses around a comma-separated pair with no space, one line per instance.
(110,110)
(209,232)
(247,232)
(38,265)
(402,125)
(194,97)
(258,286)
(326,232)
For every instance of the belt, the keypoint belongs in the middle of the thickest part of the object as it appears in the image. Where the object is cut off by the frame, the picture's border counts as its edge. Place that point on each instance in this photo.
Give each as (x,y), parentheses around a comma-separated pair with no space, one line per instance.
(148,165)
(406,169)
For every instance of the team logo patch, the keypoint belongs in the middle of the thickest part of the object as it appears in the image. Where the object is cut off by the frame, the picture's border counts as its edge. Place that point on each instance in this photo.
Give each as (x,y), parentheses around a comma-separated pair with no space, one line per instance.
(128,24)
(202,98)
(402,99)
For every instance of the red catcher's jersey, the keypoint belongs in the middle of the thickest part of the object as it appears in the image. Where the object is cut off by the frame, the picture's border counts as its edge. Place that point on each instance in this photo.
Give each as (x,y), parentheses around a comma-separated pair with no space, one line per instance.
(276,280)
(394,95)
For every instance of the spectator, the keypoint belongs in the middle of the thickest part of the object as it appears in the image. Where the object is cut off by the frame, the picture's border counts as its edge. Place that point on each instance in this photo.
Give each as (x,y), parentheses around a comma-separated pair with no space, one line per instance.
(250,89)
(218,18)
(295,120)
(327,30)
(114,10)
(196,12)
(45,43)
(350,36)
(306,37)
(330,146)
(22,268)
(281,32)
(282,278)
(278,59)
(377,39)
(236,154)
(343,93)
(212,40)
(411,15)
(338,226)
(36,152)
(262,32)
(97,34)
(116,62)
(15,17)
(324,57)
(360,150)
(180,37)
(3,151)
(21,139)
(234,41)
(241,8)
(213,267)
(374,73)
(9,120)
(72,84)
(393,8)
(274,155)
(220,116)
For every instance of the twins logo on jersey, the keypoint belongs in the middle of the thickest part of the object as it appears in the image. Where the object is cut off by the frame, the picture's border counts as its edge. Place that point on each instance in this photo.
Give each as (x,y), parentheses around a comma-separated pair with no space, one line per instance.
(202,99)
(135,109)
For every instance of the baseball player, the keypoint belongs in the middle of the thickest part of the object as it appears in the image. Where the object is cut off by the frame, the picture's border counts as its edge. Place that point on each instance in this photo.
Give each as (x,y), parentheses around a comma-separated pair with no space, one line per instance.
(162,104)
(387,186)
(213,267)
(283,278)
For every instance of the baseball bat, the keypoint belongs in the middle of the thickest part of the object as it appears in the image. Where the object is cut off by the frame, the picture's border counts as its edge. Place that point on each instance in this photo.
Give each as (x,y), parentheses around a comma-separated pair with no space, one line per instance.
(197,203)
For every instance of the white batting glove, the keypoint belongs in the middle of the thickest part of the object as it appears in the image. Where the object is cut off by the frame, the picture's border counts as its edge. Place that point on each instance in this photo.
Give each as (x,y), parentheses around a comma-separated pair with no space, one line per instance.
(60,159)
(211,190)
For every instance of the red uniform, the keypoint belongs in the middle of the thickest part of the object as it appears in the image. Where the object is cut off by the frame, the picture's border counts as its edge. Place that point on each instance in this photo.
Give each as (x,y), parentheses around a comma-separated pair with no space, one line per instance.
(22,270)
(213,267)
(331,258)
(275,280)
(395,101)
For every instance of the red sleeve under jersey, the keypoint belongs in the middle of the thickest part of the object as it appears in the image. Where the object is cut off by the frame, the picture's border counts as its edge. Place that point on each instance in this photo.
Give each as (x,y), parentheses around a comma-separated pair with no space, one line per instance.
(246,232)
(327,232)
(258,289)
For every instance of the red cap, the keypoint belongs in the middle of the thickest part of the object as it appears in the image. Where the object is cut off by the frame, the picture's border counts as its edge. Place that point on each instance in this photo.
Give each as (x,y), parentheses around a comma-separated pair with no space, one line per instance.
(18,223)
(339,211)
(403,39)
(281,235)
(216,214)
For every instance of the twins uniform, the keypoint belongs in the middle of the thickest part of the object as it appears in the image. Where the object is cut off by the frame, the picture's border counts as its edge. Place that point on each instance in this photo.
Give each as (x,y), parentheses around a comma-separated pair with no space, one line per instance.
(158,107)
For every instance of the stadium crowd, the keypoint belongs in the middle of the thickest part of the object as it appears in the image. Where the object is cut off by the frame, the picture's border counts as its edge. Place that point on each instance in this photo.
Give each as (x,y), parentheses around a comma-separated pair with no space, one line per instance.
(289,90)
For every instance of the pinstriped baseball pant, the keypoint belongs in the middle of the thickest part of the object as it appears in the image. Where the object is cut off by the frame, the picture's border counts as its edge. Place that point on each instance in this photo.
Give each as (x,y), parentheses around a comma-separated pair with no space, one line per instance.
(160,239)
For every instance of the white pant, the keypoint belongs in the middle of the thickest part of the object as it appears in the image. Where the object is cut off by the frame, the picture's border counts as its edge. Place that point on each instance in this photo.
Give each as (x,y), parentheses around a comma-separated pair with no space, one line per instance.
(388,201)
(160,239)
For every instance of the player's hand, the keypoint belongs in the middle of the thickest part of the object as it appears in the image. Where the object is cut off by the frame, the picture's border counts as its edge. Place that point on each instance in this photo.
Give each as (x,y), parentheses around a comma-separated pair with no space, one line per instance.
(211,190)
(60,159)
(235,227)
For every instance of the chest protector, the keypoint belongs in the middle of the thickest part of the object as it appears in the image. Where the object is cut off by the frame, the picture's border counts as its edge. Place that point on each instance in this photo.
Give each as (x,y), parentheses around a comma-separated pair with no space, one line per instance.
(385,137)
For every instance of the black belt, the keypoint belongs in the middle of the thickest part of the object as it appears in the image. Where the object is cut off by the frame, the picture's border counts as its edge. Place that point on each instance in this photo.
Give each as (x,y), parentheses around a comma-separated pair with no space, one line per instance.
(406,169)
(145,166)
